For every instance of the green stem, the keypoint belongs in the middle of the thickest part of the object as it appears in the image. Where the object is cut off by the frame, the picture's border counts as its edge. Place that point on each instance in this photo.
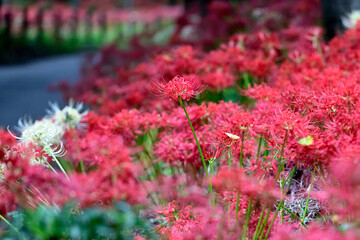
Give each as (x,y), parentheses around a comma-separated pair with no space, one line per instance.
(237,205)
(57,162)
(281,205)
(320,173)
(211,170)
(50,167)
(266,151)
(264,223)
(229,157)
(248,212)
(197,143)
(280,164)
(295,216)
(259,147)
(8,223)
(304,111)
(307,200)
(196,139)
(242,151)
(257,229)
(159,228)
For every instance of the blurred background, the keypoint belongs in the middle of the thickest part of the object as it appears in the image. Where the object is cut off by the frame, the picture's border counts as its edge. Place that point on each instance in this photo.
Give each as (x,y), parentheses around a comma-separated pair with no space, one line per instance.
(45,43)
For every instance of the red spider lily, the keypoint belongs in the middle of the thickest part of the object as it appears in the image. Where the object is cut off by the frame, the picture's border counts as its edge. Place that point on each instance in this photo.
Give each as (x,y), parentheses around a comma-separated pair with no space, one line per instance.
(6,140)
(178,219)
(302,108)
(178,87)
(178,148)
(31,185)
(342,193)
(238,181)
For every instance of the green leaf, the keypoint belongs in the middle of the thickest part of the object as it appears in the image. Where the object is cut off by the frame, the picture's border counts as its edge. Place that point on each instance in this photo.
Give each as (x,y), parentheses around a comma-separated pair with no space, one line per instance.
(116,222)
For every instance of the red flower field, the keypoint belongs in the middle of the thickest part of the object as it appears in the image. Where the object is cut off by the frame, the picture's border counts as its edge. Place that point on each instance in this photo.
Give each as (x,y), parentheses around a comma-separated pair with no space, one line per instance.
(255,137)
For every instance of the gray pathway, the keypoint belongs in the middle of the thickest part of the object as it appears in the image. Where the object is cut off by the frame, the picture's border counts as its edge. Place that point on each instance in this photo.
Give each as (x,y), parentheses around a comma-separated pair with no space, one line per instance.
(24,88)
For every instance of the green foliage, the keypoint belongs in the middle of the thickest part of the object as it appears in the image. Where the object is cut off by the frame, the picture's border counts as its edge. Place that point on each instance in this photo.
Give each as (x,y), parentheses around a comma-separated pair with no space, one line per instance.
(117,222)
(230,94)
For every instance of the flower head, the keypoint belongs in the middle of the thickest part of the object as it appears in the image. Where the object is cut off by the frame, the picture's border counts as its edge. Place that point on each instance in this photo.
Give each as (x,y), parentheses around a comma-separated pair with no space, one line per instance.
(42,132)
(185,88)
(70,115)
(45,134)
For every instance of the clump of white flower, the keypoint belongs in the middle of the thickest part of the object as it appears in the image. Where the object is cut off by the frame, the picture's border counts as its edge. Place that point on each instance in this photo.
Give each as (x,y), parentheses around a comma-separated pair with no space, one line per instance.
(48,132)
(45,134)
(41,133)
(70,116)
(351,19)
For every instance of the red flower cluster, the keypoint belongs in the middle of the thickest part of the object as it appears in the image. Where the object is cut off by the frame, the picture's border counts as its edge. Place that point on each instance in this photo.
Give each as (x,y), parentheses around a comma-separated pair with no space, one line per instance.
(178,87)
(278,129)
(237,181)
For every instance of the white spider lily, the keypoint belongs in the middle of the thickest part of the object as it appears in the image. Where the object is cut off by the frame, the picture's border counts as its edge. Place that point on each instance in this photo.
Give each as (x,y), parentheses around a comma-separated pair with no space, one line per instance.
(45,134)
(41,133)
(70,115)
(351,19)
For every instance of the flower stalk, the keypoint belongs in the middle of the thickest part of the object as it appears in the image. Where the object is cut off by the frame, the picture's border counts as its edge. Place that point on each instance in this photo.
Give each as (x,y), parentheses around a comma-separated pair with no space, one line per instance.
(248,212)
(241,159)
(8,223)
(197,143)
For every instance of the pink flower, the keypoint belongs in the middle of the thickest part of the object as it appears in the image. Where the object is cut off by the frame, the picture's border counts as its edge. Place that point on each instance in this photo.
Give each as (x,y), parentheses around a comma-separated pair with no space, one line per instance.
(178,87)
